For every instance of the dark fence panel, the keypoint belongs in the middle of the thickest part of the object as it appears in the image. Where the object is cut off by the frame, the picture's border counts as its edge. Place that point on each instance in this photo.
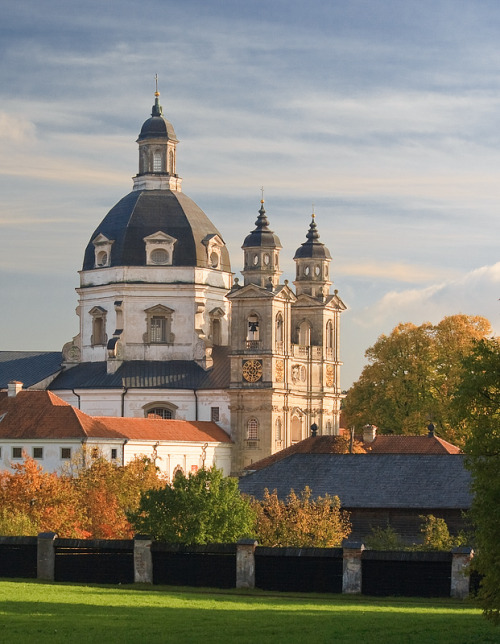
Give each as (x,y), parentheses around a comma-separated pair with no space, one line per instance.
(18,557)
(411,574)
(94,562)
(299,569)
(212,566)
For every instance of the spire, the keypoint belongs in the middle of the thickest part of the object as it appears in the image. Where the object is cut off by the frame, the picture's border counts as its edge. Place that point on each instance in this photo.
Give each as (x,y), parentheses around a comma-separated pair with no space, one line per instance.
(157,108)
(312,259)
(261,248)
(312,233)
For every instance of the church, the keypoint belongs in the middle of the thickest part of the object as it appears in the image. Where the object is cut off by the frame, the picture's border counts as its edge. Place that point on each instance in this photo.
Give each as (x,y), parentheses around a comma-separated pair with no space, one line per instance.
(166,331)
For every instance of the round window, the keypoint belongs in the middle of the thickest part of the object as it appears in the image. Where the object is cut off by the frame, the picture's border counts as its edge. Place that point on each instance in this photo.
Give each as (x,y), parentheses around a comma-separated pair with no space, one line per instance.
(159,256)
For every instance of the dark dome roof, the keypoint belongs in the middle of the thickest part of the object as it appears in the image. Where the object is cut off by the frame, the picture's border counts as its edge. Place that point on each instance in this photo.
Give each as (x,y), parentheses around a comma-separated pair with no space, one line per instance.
(157,127)
(145,212)
(262,236)
(312,247)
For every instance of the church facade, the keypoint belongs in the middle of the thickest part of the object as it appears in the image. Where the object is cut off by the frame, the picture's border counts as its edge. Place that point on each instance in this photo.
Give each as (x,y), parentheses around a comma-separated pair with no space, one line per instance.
(166,332)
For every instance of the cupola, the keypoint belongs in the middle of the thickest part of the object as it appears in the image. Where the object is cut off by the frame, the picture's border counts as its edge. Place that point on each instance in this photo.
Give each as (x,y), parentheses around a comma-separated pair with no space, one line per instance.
(312,260)
(261,253)
(157,152)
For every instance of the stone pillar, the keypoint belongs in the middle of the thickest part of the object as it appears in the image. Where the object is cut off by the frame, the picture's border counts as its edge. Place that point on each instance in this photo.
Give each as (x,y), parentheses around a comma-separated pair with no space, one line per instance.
(351,575)
(46,556)
(143,560)
(245,563)
(460,575)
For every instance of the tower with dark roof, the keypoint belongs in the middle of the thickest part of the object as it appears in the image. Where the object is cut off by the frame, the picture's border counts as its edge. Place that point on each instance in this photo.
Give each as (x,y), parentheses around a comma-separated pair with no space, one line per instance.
(261,253)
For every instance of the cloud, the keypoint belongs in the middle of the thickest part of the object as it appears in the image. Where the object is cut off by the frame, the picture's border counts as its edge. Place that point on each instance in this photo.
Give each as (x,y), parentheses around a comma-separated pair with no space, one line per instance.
(15,128)
(475,293)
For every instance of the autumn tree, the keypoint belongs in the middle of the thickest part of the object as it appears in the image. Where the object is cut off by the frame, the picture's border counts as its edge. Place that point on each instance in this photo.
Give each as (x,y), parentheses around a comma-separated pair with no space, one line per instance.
(412,376)
(478,399)
(202,507)
(33,501)
(301,520)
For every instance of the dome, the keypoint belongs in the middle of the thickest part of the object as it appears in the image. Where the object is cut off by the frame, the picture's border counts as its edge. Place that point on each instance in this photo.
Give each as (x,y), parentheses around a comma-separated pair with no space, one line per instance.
(262,236)
(157,126)
(145,212)
(312,247)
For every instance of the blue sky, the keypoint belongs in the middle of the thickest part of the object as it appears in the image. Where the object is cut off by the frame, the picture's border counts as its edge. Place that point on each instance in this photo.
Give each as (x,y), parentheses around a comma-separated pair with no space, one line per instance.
(385,115)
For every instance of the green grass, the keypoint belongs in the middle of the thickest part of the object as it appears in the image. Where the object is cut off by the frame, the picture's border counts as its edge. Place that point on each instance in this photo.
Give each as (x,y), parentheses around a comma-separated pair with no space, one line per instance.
(41,612)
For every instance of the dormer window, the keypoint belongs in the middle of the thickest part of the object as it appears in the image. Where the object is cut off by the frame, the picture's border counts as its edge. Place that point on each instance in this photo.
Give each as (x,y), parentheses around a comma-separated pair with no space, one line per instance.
(159,249)
(102,246)
(214,246)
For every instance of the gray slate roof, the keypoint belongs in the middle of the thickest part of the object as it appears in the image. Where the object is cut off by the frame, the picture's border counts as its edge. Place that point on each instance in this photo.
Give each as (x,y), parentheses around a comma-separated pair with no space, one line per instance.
(370,480)
(147,374)
(28,367)
(145,212)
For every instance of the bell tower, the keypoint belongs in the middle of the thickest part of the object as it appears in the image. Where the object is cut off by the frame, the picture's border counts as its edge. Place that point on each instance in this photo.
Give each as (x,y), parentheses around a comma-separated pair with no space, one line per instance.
(261,254)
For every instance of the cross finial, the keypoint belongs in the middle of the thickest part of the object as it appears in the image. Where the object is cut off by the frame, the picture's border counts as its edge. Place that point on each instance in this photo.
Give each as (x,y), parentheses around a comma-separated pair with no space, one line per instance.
(262,194)
(157,93)
(313,214)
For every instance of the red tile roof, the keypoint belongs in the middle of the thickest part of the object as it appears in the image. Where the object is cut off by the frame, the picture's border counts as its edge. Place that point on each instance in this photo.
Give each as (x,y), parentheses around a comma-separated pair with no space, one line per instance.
(43,415)
(396,444)
(310,445)
(165,430)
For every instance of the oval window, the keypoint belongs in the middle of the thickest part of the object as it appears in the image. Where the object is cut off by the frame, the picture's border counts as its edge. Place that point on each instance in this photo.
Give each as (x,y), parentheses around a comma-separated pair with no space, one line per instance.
(214,260)
(317,270)
(255,260)
(267,259)
(159,256)
(102,259)
(306,270)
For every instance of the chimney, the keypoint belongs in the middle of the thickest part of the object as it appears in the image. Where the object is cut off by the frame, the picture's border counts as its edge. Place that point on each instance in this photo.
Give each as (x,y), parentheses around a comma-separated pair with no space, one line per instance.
(431,429)
(369,433)
(14,388)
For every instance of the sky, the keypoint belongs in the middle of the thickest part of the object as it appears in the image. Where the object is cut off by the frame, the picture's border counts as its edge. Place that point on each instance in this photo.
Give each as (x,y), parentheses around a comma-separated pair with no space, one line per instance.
(383,116)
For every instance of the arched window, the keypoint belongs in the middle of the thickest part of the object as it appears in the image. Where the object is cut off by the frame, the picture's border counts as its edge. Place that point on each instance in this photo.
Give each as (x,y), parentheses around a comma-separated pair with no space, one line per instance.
(157,164)
(178,470)
(278,430)
(160,413)
(216,332)
(253,333)
(252,429)
(304,334)
(329,335)
(171,166)
(160,410)
(279,333)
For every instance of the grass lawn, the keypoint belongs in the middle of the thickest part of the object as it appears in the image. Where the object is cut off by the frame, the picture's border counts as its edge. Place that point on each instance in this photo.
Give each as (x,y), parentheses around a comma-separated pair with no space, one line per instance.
(39,612)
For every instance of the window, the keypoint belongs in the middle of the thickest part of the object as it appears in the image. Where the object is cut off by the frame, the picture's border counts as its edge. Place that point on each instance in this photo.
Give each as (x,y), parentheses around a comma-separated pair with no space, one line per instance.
(157,164)
(214,414)
(296,429)
(214,259)
(17,452)
(102,258)
(158,329)
(38,452)
(305,334)
(279,332)
(98,336)
(114,453)
(252,429)
(278,431)
(65,452)
(329,335)
(160,413)
(253,330)
(160,256)
(159,320)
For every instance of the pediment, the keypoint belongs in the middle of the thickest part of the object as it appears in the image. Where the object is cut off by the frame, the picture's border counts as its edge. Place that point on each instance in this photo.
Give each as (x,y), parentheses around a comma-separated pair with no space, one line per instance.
(102,240)
(159,309)
(251,291)
(160,238)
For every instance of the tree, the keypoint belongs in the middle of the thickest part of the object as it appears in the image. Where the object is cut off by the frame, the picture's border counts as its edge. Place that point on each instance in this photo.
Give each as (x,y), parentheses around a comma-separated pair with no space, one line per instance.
(301,520)
(478,399)
(203,507)
(412,376)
